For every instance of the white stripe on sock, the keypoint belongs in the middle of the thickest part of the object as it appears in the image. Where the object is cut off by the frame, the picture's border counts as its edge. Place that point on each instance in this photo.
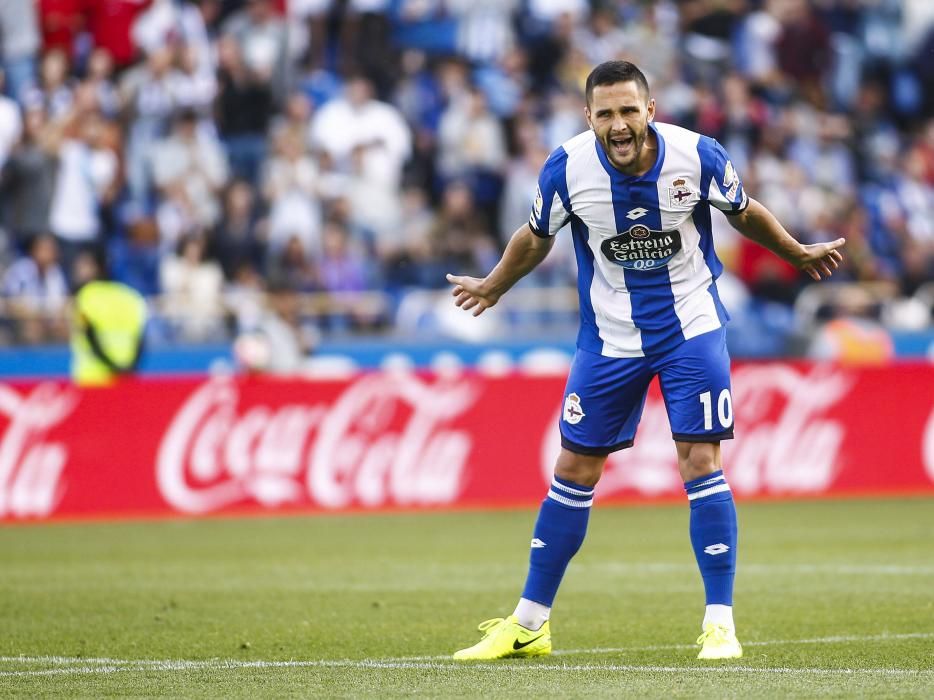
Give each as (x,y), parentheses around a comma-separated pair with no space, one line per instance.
(709,482)
(569,502)
(568,489)
(719,488)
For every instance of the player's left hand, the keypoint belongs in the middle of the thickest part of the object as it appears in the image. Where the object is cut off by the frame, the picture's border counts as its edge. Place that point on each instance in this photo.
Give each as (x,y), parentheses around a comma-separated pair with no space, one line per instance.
(470,293)
(820,259)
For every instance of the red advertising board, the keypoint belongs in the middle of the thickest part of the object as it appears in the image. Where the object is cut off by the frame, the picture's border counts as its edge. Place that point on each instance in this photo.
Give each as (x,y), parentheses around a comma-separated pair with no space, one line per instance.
(400,440)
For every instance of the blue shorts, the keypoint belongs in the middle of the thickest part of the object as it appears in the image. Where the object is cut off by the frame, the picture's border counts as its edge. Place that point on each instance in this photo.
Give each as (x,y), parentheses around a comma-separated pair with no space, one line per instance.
(605,396)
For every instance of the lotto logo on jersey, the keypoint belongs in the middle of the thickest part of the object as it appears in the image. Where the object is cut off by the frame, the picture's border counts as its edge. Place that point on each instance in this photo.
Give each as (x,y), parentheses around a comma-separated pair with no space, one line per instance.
(641,248)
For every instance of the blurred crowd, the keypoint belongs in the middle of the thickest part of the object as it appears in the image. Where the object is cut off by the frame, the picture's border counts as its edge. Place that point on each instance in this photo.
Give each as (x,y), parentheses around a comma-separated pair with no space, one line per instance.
(216,149)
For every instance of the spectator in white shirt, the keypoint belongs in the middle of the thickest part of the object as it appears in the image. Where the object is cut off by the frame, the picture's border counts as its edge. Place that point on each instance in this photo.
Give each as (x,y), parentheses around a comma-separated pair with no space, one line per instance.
(263,39)
(11,124)
(87,173)
(471,138)
(189,170)
(151,92)
(192,286)
(290,185)
(36,293)
(357,119)
(19,28)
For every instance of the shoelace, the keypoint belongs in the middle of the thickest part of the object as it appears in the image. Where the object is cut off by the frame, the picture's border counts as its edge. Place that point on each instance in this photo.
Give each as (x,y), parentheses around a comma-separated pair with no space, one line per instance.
(715,631)
(488,626)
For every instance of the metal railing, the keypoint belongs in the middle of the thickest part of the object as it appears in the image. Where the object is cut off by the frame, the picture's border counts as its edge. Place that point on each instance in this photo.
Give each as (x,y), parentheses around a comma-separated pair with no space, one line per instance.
(878,300)
(525,310)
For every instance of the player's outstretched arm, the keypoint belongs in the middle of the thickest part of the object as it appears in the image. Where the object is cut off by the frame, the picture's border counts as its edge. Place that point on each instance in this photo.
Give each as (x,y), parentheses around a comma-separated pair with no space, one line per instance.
(523,253)
(759,224)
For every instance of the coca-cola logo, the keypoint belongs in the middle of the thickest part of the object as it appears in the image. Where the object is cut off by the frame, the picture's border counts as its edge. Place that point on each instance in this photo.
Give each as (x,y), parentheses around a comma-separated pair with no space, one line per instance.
(386,440)
(31,465)
(785,442)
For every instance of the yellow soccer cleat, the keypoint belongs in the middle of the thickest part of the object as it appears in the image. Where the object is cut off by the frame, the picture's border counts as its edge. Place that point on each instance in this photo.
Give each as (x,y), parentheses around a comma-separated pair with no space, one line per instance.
(506,638)
(719,642)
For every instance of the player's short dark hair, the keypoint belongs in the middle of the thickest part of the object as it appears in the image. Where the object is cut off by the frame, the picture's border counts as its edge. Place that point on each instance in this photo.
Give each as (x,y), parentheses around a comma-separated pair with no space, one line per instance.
(612,72)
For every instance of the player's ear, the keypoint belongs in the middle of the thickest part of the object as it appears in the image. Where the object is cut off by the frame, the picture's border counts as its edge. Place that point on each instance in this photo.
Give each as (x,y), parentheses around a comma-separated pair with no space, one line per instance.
(587,115)
(650,109)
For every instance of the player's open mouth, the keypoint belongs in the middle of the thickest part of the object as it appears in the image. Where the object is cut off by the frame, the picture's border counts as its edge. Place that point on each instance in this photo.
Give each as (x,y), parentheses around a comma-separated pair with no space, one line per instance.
(621,144)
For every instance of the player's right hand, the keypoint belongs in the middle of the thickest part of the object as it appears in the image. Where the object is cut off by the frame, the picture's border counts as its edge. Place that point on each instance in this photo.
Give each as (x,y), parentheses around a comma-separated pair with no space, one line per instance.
(471,293)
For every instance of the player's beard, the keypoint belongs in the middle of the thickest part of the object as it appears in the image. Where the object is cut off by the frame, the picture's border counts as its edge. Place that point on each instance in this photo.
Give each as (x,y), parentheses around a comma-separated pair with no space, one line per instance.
(624,149)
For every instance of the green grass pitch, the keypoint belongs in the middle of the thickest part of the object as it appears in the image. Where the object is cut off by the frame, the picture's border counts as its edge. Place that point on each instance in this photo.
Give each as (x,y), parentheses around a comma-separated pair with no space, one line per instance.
(833,599)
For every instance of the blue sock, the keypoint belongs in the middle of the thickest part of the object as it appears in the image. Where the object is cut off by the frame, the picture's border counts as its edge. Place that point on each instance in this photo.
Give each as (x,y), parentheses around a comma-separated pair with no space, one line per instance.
(559,533)
(713,535)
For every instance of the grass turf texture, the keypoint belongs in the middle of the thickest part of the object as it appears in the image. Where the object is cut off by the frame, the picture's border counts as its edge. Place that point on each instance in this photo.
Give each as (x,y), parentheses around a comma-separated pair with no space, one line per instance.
(221,598)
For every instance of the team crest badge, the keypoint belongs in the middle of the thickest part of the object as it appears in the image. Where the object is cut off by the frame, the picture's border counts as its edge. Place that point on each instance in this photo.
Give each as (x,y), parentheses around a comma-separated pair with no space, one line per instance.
(573,412)
(680,196)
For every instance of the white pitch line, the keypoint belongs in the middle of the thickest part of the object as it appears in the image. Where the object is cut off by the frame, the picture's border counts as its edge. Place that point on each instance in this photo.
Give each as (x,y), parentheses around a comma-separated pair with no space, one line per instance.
(764,569)
(69,660)
(71,670)
(765,643)
(858,569)
(105,665)
(66,660)
(451,665)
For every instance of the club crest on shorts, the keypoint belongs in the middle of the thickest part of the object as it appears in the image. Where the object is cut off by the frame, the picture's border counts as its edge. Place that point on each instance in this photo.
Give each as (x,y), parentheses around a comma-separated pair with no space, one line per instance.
(573,412)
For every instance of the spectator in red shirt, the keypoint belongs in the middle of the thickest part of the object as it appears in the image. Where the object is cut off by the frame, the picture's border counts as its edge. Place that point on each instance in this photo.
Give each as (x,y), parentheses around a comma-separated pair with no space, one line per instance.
(110,22)
(60,21)
(803,50)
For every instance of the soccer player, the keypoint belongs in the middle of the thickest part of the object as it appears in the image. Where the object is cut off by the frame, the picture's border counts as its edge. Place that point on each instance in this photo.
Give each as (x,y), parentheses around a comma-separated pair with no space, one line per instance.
(637,195)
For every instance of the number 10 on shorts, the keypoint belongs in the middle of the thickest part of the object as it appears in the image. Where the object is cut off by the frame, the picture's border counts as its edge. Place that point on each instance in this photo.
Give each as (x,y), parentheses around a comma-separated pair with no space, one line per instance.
(724,409)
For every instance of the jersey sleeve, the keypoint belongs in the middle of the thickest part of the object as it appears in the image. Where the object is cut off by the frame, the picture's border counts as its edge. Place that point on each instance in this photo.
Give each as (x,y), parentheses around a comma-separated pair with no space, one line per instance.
(725,189)
(551,209)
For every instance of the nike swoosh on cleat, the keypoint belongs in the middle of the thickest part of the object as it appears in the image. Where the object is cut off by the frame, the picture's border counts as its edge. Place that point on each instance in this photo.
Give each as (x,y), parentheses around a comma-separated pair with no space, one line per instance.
(517,645)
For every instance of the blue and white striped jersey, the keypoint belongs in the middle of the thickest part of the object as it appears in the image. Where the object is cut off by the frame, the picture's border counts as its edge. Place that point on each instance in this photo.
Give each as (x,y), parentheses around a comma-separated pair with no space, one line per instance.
(647,268)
